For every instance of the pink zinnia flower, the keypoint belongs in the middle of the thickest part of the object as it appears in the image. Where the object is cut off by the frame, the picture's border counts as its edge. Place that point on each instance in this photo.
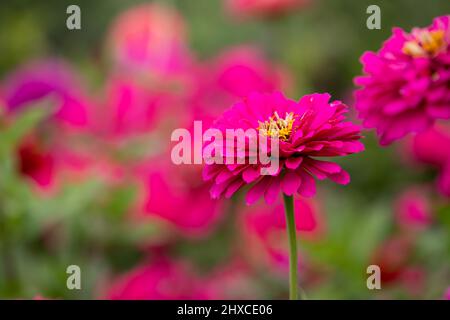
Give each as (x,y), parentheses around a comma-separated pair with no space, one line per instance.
(406,84)
(264,7)
(308,129)
(163,279)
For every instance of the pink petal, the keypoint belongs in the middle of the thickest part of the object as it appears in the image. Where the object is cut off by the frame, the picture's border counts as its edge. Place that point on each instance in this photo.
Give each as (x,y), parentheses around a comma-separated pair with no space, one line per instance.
(210,171)
(233,187)
(293,162)
(340,178)
(325,166)
(257,190)
(290,183)
(308,185)
(273,190)
(250,174)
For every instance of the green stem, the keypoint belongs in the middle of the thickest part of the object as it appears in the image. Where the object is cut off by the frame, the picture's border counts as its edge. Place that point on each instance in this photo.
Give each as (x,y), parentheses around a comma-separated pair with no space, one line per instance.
(293,265)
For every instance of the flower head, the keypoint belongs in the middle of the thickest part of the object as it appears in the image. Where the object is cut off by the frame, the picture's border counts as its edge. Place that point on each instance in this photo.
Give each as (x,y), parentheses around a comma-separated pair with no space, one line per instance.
(406,84)
(150,38)
(308,129)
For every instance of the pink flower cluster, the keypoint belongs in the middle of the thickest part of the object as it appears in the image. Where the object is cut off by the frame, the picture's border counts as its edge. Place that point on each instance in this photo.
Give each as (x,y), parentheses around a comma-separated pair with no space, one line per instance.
(154,85)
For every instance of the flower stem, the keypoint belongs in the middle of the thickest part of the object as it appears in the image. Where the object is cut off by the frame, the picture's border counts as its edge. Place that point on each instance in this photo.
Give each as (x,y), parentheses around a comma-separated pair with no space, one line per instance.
(293,265)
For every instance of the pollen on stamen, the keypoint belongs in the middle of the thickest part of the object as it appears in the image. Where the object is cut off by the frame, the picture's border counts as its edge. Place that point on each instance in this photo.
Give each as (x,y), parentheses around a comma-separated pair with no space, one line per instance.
(277,126)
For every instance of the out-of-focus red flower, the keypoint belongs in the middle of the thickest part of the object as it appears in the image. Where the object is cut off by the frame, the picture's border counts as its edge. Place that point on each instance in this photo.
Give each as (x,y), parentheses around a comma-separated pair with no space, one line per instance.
(394,257)
(150,39)
(413,209)
(36,162)
(266,8)
(231,281)
(163,279)
(233,75)
(264,230)
(178,196)
(405,86)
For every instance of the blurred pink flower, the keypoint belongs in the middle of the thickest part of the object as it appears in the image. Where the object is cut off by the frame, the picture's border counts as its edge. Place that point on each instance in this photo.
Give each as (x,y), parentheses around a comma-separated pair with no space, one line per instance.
(150,39)
(263,7)
(447,294)
(233,280)
(232,75)
(133,107)
(405,86)
(310,128)
(41,79)
(433,147)
(158,280)
(413,209)
(264,229)
(178,196)
(36,162)
(394,257)
(413,279)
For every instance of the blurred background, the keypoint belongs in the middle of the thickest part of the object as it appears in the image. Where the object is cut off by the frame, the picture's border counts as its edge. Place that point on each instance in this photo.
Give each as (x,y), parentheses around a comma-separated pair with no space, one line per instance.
(86,177)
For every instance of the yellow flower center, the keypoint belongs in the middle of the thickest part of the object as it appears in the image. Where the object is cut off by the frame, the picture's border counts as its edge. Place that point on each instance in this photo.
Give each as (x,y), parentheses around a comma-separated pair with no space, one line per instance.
(277,126)
(426,43)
